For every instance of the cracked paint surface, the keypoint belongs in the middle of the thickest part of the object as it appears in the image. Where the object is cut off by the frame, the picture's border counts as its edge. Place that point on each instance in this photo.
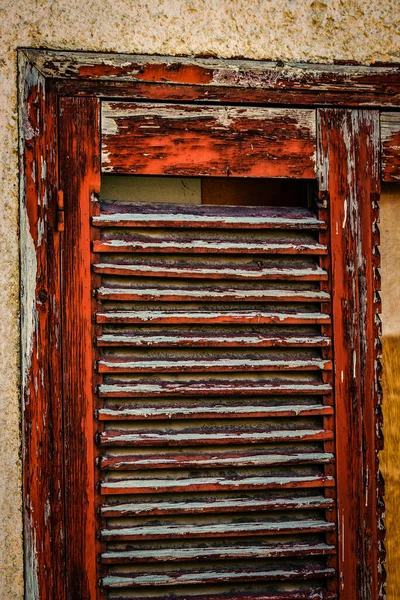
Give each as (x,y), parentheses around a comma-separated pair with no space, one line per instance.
(302,30)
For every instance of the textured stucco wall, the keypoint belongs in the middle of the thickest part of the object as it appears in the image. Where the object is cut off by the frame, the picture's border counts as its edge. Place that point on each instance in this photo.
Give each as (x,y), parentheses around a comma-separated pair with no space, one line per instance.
(308,30)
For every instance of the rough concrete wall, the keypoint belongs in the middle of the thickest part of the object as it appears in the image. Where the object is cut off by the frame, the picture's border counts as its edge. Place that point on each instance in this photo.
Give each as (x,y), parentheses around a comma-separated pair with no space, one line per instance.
(308,30)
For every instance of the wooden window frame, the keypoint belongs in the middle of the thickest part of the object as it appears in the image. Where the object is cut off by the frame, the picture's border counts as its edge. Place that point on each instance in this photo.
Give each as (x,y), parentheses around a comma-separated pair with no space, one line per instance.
(367,95)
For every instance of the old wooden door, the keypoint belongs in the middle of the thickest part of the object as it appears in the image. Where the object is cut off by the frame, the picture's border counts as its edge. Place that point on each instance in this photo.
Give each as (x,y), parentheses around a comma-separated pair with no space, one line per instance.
(219,361)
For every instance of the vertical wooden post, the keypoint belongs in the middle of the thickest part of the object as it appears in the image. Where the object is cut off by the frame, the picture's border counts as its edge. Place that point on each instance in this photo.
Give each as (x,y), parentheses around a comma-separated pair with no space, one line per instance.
(41,382)
(79,177)
(348,172)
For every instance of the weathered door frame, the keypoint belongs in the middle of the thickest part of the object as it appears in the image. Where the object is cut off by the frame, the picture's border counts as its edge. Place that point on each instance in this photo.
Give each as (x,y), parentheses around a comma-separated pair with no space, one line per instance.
(45,76)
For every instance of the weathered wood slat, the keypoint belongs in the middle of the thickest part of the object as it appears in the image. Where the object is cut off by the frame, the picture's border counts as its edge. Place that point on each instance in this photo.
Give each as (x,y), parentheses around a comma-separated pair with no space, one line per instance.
(209,484)
(228,529)
(208,436)
(212,505)
(296,271)
(237,338)
(210,294)
(199,364)
(216,410)
(189,139)
(211,388)
(240,574)
(227,552)
(213,459)
(141,214)
(317,592)
(180,243)
(204,317)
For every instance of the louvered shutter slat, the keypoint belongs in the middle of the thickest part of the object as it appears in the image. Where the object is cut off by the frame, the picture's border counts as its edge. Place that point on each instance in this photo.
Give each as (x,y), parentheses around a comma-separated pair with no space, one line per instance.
(212,505)
(303,479)
(167,215)
(227,317)
(215,410)
(292,243)
(239,338)
(214,402)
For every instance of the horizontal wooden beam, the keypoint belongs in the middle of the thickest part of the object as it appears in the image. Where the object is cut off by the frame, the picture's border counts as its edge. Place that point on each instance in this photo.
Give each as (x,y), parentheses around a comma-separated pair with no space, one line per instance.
(189,78)
(192,140)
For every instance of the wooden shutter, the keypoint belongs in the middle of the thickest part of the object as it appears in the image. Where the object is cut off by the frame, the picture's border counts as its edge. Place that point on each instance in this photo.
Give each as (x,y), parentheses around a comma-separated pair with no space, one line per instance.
(201,408)
(215,401)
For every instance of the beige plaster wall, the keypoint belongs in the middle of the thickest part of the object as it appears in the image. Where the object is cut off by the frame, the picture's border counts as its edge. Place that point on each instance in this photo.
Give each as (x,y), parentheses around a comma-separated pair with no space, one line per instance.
(308,30)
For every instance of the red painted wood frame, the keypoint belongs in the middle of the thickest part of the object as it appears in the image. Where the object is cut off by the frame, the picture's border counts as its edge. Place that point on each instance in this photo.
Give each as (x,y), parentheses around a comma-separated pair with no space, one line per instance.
(57,501)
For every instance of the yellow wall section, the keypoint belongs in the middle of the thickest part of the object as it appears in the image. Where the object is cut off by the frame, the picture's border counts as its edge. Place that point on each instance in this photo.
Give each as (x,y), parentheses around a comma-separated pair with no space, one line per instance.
(390,463)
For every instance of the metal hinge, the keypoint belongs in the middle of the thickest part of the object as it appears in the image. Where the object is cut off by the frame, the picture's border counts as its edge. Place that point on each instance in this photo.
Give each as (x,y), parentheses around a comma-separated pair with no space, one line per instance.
(60,211)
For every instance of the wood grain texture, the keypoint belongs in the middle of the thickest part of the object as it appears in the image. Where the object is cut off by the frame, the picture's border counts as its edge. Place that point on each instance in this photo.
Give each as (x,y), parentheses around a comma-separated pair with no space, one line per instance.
(41,378)
(192,140)
(349,179)
(390,143)
(390,460)
(79,154)
(216,80)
